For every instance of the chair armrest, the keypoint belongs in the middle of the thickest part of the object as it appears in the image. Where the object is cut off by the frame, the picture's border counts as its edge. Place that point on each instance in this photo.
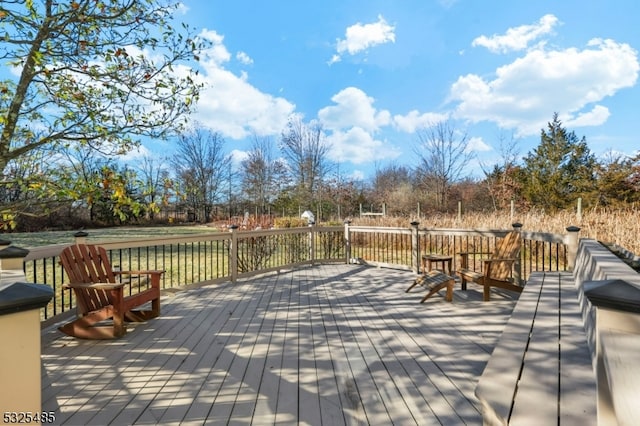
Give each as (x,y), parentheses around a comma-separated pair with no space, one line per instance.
(153,276)
(138,272)
(488,262)
(506,259)
(464,257)
(95,286)
(466,253)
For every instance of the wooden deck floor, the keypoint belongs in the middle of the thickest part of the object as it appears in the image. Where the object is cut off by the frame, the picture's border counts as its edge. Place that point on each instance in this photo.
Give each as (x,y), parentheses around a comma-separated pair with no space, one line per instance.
(329,344)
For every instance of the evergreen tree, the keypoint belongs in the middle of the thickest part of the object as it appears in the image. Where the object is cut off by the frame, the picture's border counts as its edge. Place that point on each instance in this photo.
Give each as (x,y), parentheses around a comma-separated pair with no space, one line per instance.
(618,178)
(560,170)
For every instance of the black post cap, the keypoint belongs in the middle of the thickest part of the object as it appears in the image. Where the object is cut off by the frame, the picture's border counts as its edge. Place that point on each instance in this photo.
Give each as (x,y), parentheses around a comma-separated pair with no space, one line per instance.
(616,294)
(19,297)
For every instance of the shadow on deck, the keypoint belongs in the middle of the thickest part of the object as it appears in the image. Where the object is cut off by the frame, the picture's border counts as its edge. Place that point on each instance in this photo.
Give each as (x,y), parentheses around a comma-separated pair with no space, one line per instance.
(329,344)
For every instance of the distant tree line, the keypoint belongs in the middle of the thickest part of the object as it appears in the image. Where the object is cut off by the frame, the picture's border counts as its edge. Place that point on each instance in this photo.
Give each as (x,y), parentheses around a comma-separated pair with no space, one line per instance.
(294,174)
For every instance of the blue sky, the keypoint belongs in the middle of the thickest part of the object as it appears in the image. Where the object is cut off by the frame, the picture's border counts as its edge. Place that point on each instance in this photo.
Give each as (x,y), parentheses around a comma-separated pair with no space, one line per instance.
(372,72)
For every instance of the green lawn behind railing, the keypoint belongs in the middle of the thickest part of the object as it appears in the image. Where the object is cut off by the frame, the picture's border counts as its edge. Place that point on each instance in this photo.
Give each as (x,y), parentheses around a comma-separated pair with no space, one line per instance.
(45,238)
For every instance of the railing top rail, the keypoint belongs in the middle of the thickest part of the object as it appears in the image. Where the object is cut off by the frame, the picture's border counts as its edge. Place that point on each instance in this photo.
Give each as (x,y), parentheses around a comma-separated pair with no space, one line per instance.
(329,228)
(484,232)
(527,235)
(479,232)
(54,250)
(45,251)
(546,237)
(379,229)
(296,230)
(161,241)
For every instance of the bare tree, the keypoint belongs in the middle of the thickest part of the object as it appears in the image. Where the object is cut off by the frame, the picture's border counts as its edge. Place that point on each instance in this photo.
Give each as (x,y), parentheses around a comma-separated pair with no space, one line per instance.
(443,152)
(201,169)
(501,178)
(393,186)
(261,173)
(306,151)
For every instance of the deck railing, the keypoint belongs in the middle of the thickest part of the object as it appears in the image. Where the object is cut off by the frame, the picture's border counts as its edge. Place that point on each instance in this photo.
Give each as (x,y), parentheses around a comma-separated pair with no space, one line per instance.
(193,259)
(403,247)
(226,256)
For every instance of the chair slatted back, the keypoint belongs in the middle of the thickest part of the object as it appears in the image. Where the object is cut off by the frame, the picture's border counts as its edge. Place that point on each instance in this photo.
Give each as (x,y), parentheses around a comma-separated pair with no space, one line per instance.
(507,248)
(85,264)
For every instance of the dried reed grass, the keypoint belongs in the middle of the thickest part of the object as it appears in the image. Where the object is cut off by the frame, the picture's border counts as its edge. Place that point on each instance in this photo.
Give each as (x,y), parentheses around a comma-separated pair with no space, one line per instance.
(621,227)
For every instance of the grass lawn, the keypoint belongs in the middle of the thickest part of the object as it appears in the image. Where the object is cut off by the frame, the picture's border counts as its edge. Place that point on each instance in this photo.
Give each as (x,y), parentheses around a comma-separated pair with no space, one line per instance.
(36,239)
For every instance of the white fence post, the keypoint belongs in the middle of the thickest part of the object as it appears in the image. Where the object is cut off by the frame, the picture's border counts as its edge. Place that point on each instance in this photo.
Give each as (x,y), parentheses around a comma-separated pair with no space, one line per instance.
(81,237)
(517,266)
(312,242)
(571,240)
(579,210)
(415,248)
(233,253)
(347,241)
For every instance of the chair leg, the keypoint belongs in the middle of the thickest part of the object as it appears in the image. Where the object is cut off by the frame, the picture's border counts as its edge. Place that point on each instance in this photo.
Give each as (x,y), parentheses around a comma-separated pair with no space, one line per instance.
(449,296)
(139,316)
(415,283)
(431,293)
(155,307)
(486,293)
(101,332)
(85,328)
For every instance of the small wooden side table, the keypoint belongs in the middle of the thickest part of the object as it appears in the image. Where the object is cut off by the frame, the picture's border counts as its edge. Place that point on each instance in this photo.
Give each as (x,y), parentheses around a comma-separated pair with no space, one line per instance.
(431,260)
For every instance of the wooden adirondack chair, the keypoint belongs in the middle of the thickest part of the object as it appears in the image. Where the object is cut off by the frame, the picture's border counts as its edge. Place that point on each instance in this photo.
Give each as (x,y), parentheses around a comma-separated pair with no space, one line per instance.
(497,268)
(100,297)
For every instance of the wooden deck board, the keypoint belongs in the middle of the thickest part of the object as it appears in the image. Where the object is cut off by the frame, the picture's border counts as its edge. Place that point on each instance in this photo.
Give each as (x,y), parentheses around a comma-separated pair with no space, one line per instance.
(542,356)
(539,380)
(330,344)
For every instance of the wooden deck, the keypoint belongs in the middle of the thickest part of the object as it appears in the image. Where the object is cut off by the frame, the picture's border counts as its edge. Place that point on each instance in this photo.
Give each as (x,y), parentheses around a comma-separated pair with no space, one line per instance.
(329,344)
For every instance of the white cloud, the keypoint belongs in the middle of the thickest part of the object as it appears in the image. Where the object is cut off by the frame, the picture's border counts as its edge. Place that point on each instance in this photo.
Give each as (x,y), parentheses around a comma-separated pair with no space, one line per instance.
(351,124)
(217,54)
(244,58)
(414,120)
(517,38)
(238,156)
(357,175)
(476,144)
(358,146)
(181,8)
(229,103)
(136,155)
(525,93)
(353,108)
(598,115)
(359,37)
